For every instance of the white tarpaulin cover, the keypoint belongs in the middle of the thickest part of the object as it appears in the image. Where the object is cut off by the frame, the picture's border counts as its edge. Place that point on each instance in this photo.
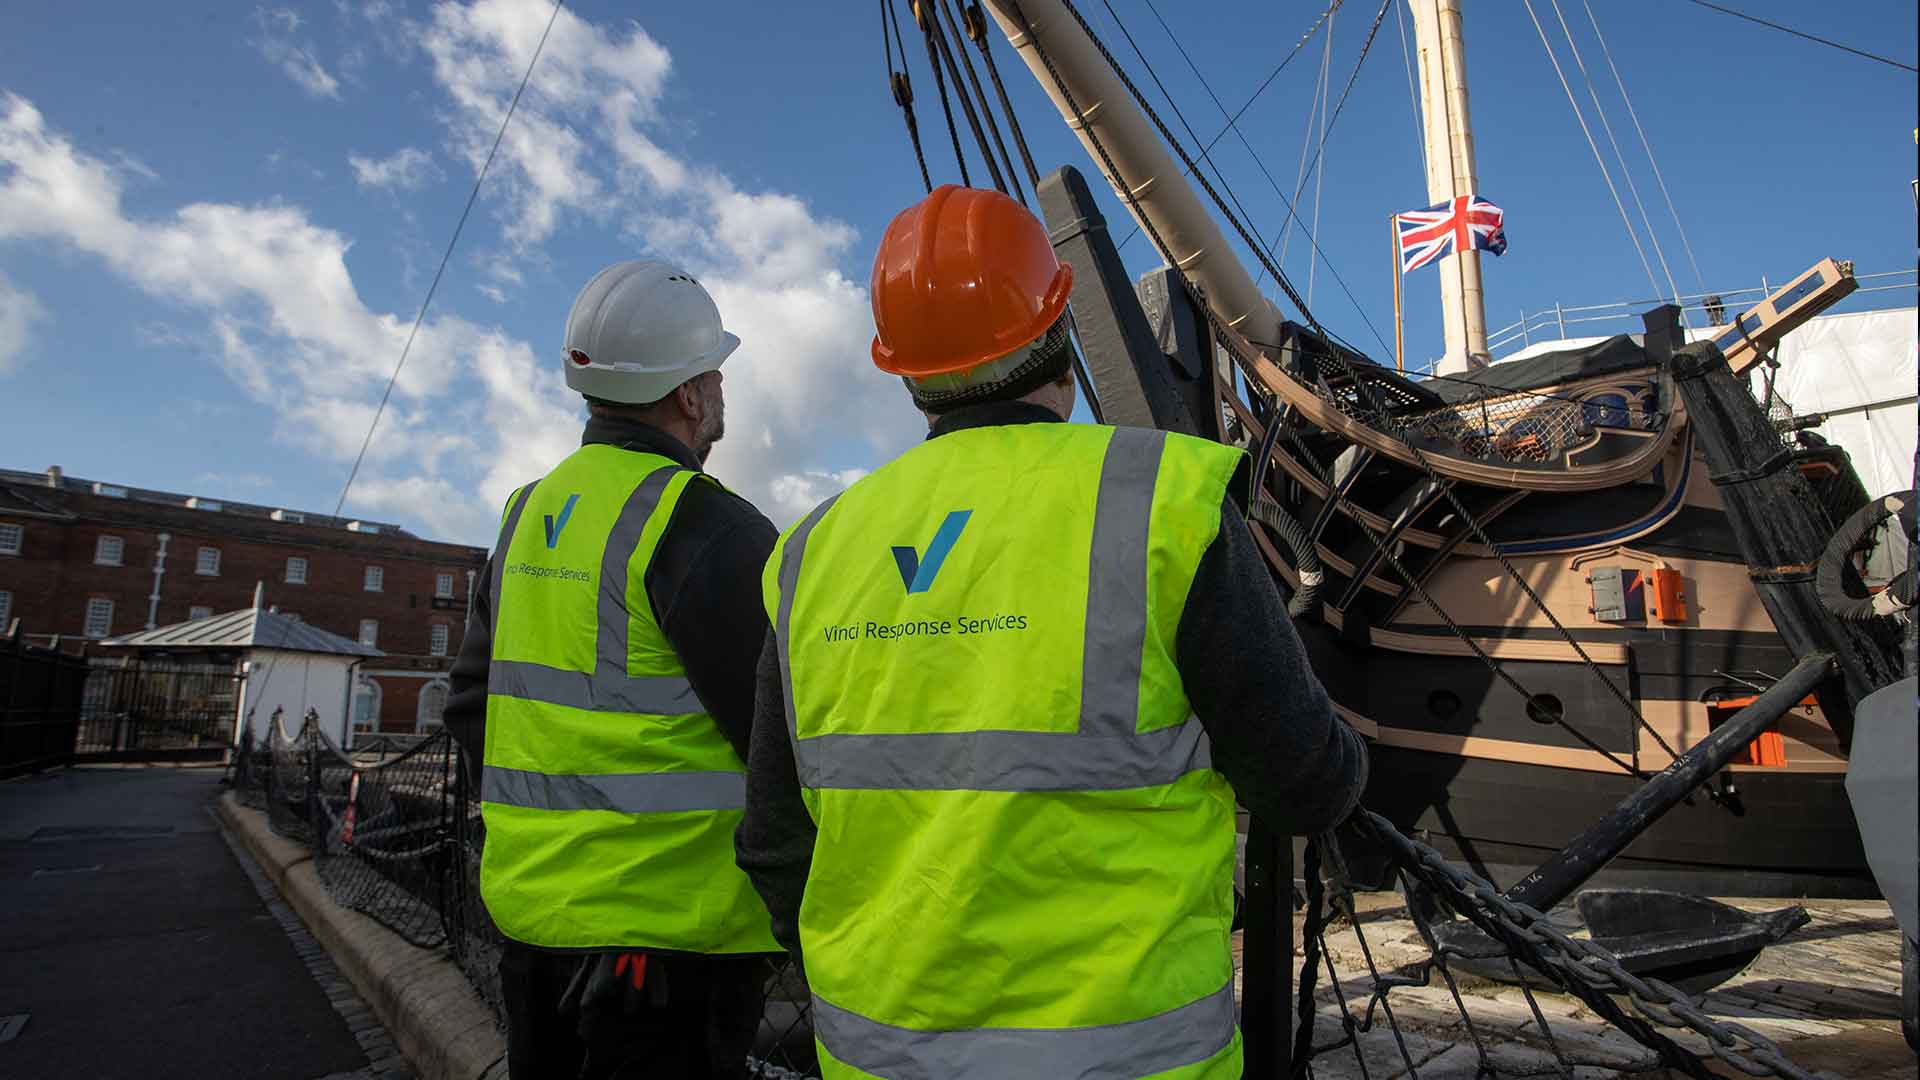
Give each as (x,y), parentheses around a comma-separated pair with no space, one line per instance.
(1858,368)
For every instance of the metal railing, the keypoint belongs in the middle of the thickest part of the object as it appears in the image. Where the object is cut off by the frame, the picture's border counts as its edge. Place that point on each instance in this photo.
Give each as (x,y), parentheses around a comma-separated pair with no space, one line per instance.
(39,706)
(1698,310)
(132,707)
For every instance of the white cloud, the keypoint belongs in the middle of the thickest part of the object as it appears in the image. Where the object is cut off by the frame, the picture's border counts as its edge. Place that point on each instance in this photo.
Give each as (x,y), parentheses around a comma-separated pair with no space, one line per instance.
(477,410)
(407,169)
(587,126)
(275,40)
(18,312)
(286,320)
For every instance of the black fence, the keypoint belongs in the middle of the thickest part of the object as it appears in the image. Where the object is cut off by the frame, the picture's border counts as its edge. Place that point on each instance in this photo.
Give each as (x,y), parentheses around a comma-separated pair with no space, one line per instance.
(135,709)
(396,833)
(40,692)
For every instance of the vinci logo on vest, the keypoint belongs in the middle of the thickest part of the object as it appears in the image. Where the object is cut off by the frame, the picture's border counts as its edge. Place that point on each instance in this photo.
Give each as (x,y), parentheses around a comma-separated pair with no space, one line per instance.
(917,571)
(555,525)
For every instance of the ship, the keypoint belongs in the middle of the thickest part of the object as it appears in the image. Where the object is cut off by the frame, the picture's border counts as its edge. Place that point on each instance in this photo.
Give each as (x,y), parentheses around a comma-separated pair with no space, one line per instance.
(1531,585)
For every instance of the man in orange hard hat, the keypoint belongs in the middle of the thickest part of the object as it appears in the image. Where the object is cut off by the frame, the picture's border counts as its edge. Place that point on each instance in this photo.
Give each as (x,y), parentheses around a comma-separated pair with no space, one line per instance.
(1014,681)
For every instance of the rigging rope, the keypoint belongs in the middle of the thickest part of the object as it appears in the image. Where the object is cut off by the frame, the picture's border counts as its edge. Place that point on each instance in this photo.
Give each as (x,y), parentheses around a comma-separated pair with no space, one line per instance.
(1009,178)
(1626,174)
(902,86)
(1413,95)
(1234,120)
(1318,110)
(451,242)
(930,23)
(1320,172)
(940,83)
(977,28)
(1352,77)
(1605,173)
(1647,145)
(1809,37)
(1224,335)
(1257,160)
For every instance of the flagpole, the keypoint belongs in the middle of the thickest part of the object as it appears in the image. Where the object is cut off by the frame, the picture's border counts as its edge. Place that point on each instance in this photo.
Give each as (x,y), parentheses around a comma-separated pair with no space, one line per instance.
(1399,343)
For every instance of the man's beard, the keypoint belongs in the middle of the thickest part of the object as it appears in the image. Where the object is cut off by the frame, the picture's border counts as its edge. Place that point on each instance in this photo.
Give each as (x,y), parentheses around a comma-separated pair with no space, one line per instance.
(713,425)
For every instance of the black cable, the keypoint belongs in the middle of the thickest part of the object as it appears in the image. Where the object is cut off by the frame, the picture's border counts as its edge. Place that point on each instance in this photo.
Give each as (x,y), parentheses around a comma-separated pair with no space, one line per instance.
(435,287)
(986,110)
(1809,37)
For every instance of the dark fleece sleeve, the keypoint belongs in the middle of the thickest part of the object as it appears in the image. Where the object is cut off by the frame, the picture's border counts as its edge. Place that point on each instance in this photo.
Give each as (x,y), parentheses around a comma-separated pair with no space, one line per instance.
(1293,763)
(774,844)
(465,716)
(704,582)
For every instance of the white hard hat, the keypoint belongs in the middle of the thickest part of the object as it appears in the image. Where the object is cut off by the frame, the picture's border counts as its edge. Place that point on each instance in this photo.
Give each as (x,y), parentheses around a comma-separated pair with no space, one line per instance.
(638,330)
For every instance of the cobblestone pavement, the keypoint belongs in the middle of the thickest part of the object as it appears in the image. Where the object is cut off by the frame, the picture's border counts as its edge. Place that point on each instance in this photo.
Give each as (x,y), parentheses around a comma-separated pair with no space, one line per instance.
(135,945)
(1828,995)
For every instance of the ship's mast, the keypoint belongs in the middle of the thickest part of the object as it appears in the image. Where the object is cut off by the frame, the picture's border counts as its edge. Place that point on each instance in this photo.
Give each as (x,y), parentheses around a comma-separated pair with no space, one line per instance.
(1451,173)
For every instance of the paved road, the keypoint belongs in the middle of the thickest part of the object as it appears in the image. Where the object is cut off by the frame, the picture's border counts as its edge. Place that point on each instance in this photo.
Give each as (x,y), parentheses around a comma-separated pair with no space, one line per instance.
(137,946)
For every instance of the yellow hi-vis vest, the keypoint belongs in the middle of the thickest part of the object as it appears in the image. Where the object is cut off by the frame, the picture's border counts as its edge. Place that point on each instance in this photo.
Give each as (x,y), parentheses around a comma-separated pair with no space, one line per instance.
(1025,863)
(610,796)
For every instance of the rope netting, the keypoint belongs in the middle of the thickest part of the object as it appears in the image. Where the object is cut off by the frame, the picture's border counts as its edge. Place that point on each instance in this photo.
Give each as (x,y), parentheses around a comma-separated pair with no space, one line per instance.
(396,834)
(1564,1011)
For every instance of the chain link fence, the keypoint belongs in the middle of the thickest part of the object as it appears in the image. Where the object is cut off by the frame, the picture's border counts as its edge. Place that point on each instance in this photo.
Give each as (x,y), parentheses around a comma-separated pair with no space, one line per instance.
(397,835)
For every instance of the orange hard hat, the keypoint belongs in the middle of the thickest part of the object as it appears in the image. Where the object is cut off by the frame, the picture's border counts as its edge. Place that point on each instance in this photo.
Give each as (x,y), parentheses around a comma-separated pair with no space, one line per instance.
(963,276)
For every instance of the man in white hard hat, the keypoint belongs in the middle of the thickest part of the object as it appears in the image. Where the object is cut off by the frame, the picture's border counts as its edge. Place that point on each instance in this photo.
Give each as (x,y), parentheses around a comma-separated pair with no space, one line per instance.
(604,696)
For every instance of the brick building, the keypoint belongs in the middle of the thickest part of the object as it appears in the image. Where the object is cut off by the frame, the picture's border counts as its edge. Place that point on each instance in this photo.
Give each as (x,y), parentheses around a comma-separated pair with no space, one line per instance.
(82,560)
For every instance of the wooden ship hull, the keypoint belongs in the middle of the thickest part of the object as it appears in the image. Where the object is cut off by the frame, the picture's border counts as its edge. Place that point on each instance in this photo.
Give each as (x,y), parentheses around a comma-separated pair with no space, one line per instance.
(1529,594)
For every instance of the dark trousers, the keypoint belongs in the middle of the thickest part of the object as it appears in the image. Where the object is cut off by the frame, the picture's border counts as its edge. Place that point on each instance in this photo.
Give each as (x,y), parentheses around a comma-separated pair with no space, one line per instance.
(570,1016)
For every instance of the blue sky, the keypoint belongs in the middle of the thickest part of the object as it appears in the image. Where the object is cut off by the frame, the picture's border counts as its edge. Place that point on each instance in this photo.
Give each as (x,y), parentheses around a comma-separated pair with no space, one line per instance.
(217,221)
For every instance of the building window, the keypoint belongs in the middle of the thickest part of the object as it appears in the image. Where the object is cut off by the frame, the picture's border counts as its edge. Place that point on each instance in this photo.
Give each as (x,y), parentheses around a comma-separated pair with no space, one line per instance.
(109,551)
(208,565)
(366,705)
(10,536)
(433,703)
(376,578)
(198,612)
(6,609)
(440,635)
(99,618)
(443,586)
(296,571)
(370,632)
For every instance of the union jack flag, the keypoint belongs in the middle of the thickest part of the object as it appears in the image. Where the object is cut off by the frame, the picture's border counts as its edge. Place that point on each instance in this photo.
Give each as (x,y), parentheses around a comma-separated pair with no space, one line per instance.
(1463,223)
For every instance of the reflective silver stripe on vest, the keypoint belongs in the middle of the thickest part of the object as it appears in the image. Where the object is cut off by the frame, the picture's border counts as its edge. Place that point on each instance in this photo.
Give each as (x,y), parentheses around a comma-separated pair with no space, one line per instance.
(609,688)
(508,523)
(1002,760)
(1187,1035)
(790,554)
(626,793)
(1105,753)
(662,695)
